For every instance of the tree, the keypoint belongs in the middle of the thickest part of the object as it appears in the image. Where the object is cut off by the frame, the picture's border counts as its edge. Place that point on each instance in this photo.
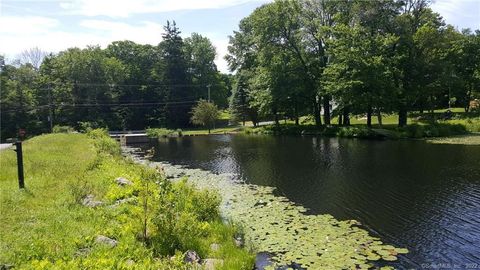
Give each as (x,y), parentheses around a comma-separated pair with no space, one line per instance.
(205,113)
(33,56)
(201,54)
(173,72)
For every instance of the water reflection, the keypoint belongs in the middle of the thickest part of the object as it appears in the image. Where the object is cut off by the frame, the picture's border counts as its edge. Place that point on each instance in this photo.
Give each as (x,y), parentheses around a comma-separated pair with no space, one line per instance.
(412,194)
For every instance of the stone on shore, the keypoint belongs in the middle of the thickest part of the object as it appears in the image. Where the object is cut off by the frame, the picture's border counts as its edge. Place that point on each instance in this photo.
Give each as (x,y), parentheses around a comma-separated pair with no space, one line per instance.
(122,181)
(191,256)
(101,239)
(89,201)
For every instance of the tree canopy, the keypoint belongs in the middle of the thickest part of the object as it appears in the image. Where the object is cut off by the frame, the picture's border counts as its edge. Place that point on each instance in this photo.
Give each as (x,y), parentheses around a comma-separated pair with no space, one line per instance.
(363,57)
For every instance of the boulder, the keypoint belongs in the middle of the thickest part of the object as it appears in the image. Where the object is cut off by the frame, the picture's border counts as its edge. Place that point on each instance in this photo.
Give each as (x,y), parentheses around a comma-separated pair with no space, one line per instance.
(122,181)
(212,264)
(101,239)
(191,256)
(89,201)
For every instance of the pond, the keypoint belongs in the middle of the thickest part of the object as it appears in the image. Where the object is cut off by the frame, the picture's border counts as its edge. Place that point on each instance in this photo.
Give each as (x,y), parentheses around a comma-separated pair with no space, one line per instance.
(425,197)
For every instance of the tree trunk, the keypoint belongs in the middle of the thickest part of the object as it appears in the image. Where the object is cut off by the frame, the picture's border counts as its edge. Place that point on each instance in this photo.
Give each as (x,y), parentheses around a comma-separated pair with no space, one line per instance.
(346,117)
(316,112)
(277,122)
(296,112)
(340,119)
(326,109)
(379,117)
(369,116)
(402,117)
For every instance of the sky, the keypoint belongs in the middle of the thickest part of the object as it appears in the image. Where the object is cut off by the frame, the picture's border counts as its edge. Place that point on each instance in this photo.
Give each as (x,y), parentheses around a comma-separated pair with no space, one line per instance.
(55,25)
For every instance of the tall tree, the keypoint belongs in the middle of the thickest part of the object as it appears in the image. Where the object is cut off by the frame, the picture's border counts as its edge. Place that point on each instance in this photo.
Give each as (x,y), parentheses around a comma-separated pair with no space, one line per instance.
(174,74)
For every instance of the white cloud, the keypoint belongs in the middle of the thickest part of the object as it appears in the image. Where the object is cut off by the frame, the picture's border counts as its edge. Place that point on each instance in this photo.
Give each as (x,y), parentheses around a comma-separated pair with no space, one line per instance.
(125,8)
(26,24)
(143,33)
(20,33)
(460,13)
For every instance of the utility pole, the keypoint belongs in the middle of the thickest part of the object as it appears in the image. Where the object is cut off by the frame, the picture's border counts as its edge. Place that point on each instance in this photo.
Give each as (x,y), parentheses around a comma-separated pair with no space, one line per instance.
(208,86)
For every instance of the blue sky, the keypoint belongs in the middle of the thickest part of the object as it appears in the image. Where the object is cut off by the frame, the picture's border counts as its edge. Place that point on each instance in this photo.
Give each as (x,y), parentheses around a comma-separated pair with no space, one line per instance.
(54,25)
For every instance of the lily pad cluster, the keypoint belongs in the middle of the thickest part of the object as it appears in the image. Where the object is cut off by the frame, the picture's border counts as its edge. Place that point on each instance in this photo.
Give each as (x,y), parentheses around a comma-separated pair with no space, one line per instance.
(282,228)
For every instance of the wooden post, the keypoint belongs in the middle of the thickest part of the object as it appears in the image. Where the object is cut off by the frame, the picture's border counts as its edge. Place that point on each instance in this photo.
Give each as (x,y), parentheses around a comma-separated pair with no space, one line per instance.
(21,182)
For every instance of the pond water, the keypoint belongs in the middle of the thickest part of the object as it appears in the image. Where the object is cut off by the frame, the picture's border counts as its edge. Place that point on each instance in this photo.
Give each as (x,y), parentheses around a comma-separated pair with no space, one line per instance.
(412,194)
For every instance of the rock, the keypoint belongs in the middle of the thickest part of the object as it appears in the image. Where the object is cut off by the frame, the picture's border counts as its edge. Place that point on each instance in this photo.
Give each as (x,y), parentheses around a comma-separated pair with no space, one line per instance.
(191,257)
(121,181)
(82,252)
(239,242)
(130,262)
(101,239)
(89,201)
(126,200)
(215,247)
(212,264)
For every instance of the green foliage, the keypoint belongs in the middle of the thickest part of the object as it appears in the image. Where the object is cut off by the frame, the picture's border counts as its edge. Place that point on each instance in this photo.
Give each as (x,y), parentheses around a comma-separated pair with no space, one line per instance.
(103,143)
(205,113)
(163,133)
(184,214)
(63,129)
(368,56)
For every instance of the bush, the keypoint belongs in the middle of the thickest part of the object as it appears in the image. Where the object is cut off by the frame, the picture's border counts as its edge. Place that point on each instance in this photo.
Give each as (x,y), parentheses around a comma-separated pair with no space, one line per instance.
(87,126)
(357,132)
(63,129)
(163,132)
(103,143)
(433,130)
(184,215)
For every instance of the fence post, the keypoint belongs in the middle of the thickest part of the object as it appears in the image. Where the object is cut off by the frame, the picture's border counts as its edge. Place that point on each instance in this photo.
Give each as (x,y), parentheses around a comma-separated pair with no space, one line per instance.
(21,182)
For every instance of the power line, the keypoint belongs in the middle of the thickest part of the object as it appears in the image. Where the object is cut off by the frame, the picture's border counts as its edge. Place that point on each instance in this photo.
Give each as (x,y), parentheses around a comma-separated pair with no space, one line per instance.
(87,105)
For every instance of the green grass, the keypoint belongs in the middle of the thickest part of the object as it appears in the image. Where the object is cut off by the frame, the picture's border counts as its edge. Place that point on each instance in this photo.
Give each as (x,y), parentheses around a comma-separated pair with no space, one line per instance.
(222,130)
(473,139)
(45,226)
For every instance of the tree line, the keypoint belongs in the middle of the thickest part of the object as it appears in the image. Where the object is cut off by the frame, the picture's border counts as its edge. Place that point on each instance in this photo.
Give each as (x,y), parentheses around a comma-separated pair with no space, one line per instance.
(124,86)
(344,57)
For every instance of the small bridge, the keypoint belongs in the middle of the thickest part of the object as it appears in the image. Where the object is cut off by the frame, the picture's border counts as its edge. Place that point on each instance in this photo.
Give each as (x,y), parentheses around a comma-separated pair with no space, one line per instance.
(130,137)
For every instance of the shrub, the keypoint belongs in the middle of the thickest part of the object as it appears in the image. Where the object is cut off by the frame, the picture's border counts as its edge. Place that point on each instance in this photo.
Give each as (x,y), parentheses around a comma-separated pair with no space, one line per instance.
(163,132)
(87,126)
(183,215)
(63,129)
(103,143)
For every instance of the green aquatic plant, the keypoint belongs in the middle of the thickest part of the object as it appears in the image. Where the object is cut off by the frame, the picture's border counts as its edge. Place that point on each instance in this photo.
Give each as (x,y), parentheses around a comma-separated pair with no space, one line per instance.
(276,225)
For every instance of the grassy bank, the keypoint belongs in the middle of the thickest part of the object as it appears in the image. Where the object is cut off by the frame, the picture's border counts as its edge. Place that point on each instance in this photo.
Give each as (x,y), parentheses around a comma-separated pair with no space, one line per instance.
(150,220)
